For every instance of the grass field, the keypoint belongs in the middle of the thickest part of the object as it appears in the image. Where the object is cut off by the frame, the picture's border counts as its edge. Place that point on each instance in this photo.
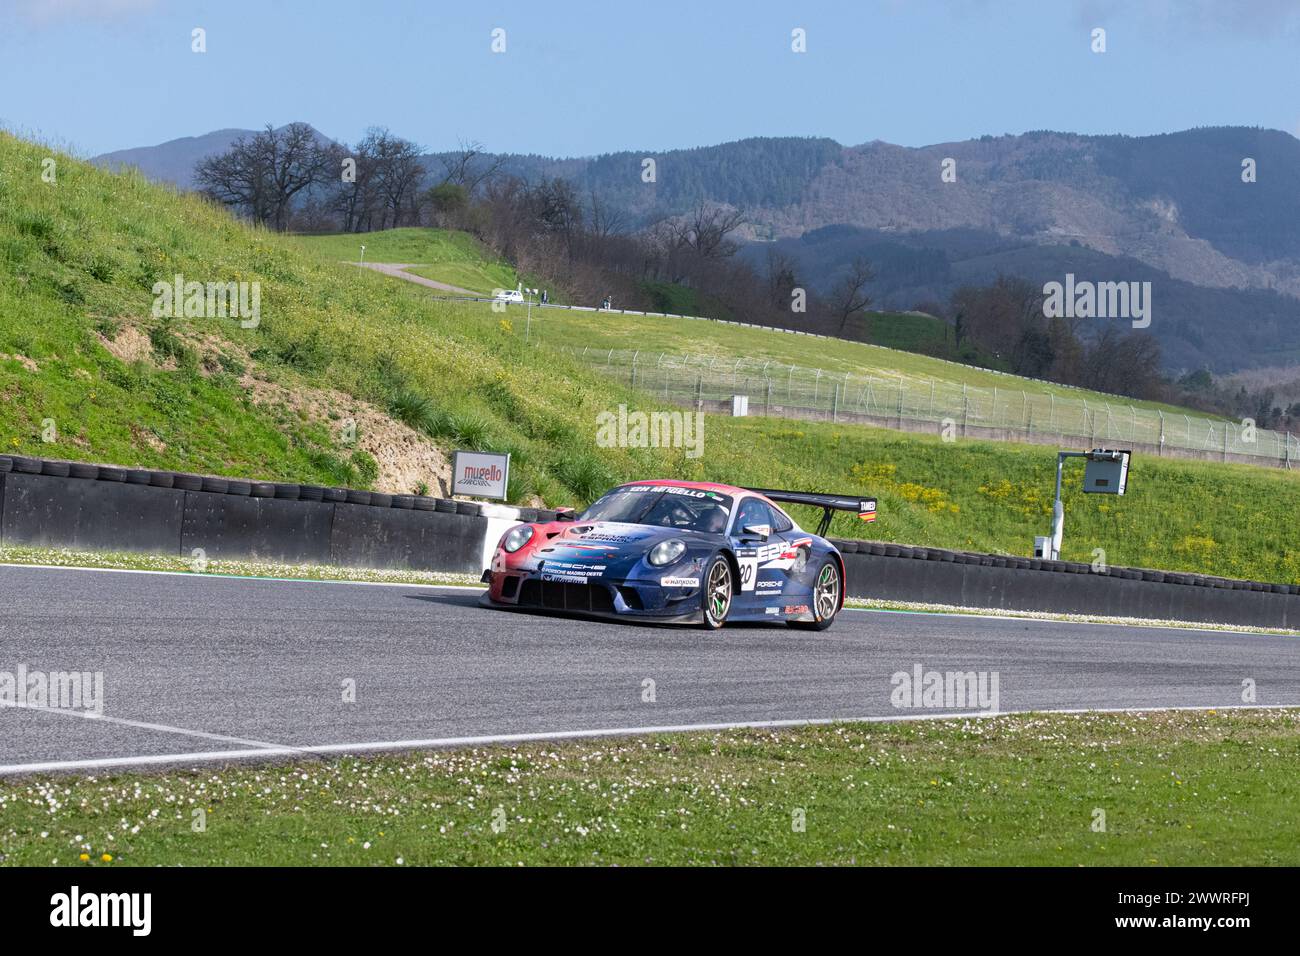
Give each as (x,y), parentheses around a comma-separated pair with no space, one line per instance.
(725,342)
(908,332)
(445,255)
(1166,789)
(901,338)
(459,259)
(78,260)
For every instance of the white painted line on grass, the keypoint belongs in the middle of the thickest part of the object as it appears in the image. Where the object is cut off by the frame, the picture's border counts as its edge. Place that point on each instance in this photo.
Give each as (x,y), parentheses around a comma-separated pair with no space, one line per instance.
(440,743)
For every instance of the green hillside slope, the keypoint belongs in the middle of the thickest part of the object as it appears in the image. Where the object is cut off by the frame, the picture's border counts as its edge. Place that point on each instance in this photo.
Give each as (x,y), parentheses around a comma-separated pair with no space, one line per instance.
(80,348)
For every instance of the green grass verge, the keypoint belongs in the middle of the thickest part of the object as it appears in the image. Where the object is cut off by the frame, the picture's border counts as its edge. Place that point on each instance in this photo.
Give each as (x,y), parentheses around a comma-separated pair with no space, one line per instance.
(78,259)
(1176,789)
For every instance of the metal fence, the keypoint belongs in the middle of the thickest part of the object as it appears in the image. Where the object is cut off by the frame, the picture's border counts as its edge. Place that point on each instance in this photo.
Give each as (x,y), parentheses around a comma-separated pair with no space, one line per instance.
(899,401)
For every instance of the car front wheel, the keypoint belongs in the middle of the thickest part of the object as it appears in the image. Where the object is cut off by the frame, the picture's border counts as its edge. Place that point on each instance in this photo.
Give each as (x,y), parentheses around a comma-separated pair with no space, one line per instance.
(828,588)
(717,593)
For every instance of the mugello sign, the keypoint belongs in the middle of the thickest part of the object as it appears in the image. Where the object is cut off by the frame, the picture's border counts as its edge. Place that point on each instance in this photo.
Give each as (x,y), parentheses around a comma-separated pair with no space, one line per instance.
(481,474)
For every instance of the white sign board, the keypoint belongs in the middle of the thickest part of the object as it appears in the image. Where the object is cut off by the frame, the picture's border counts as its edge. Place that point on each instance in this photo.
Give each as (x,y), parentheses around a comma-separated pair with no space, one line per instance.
(480,473)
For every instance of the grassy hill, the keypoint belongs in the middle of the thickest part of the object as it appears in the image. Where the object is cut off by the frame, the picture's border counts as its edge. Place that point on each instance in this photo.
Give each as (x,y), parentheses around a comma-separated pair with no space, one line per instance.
(715,339)
(899,339)
(446,255)
(79,346)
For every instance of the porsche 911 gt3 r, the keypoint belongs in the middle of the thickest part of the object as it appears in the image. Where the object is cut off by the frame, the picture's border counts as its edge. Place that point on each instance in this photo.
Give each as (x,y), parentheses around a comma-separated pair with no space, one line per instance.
(679,552)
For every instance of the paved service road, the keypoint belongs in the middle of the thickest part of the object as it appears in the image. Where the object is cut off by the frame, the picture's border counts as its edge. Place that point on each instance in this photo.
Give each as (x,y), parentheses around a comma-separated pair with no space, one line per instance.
(398,271)
(204,664)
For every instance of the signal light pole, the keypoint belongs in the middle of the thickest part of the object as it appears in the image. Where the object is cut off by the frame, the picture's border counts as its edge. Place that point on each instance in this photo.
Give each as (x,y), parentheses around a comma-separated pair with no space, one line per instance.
(1106,473)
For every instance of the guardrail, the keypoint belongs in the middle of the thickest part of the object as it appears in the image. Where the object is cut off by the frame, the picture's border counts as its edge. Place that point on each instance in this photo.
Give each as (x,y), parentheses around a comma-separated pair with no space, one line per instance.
(656,315)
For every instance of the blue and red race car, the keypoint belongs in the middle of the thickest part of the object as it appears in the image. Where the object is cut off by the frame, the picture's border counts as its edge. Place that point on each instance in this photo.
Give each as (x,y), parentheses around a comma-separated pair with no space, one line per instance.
(679,552)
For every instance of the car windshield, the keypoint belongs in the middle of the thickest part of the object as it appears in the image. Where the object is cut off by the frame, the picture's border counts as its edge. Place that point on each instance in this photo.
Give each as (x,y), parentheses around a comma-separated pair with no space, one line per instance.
(665,506)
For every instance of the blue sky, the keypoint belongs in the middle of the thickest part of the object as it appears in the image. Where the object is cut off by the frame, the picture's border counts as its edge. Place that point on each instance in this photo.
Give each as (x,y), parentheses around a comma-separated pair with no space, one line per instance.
(582,78)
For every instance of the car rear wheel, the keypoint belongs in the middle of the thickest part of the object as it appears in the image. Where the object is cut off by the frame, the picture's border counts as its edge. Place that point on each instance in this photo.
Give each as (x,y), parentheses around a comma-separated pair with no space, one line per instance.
(828,588)
(716,593)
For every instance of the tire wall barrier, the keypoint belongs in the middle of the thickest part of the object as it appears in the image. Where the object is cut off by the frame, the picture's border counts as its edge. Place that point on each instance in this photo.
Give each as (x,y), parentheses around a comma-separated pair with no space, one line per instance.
(73,505)
(936,576)
(116,509)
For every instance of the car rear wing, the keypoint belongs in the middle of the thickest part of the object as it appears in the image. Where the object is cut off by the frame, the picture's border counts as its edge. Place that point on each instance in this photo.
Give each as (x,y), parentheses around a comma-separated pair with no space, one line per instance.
(865,507)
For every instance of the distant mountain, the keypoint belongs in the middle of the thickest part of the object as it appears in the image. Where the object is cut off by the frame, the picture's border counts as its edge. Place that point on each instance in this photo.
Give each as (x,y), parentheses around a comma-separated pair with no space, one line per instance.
(1176,202)
(174,160)
(1171,208)
(1196,325)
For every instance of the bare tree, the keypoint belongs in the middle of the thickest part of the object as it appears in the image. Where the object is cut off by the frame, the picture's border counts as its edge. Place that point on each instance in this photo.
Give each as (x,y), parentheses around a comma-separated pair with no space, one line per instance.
(708,231)
(238,178)
(398,173)
(1006,318)
(355,198)
(603,220)
(848,296)
(558,210)
(470,167)
(782,279)
(263,175)
(1128,364)
(505,222)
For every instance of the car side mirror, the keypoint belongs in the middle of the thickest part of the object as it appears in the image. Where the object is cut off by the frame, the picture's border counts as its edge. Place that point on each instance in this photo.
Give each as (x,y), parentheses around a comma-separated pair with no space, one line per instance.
(762,531)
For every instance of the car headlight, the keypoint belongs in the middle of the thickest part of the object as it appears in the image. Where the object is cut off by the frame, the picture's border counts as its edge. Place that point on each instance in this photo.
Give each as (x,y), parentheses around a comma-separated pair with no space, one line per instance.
(516,538)
(666,552)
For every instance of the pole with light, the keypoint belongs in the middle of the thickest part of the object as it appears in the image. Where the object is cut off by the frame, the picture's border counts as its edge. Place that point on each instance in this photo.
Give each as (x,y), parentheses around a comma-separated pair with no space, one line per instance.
(1106,473)
(528,325)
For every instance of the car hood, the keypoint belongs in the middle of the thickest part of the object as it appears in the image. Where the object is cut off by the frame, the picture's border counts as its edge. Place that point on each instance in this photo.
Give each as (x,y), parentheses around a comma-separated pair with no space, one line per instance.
(606,548)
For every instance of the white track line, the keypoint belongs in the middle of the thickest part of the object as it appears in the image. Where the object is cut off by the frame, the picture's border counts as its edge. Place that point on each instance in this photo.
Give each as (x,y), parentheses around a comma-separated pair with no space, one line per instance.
(144,725)
(438,743)
(206,576)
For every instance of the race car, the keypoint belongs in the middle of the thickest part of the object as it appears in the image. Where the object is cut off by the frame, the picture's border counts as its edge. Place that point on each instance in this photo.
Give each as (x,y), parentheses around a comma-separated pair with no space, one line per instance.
(679,552)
